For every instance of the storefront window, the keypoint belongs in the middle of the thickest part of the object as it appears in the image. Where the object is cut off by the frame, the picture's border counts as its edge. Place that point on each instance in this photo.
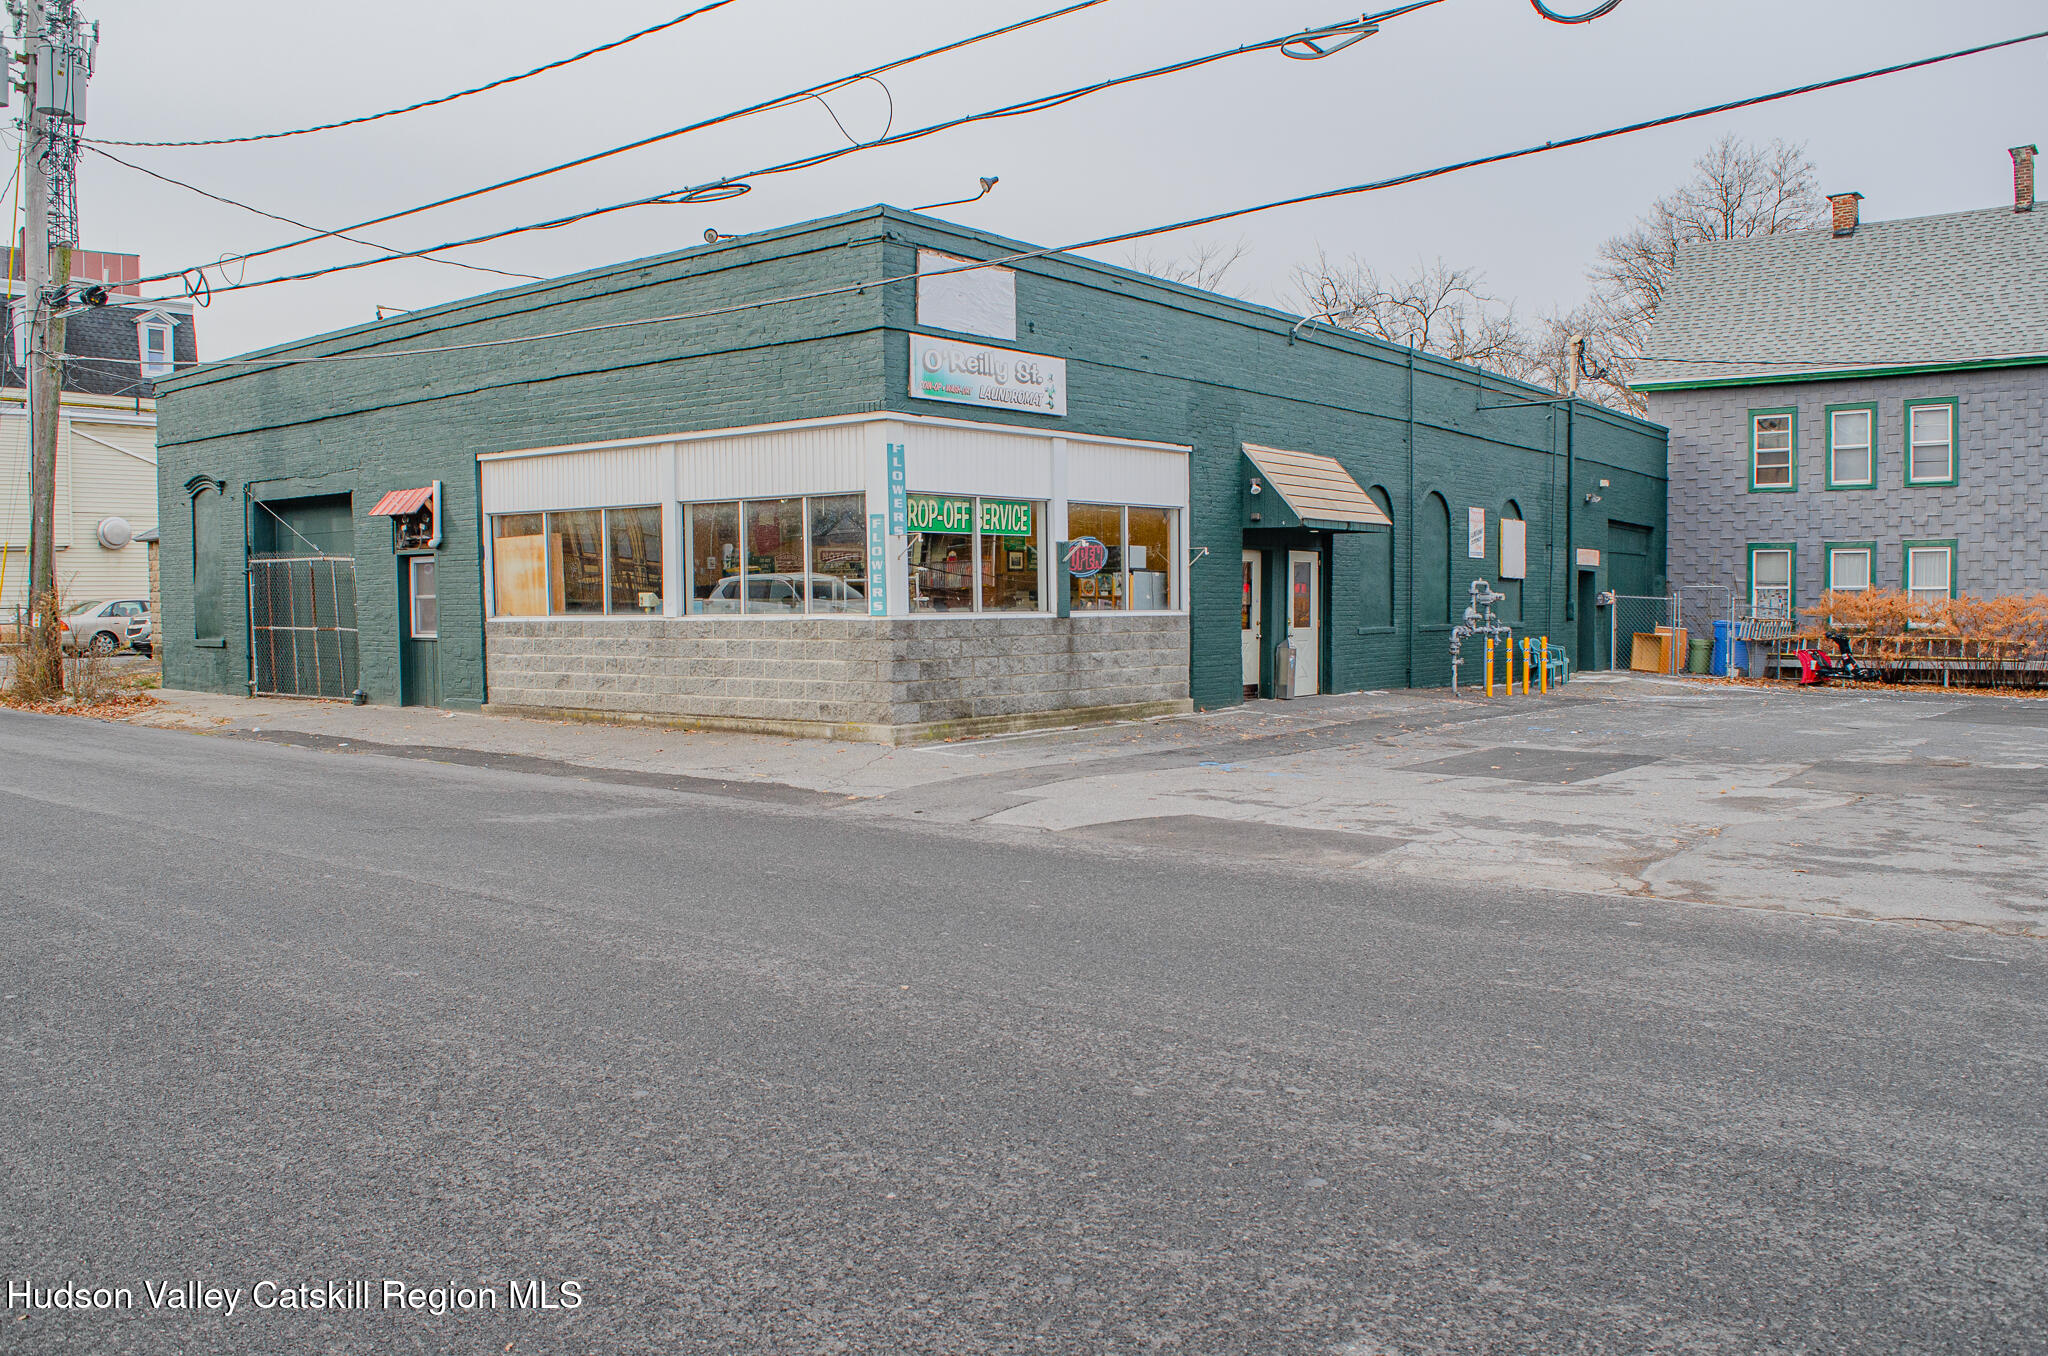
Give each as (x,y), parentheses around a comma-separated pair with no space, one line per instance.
(576,561)
(941,554)
(839,543)
(635,537)
(1009,556)
(775,555)
(1148,556)
(714,531)
(519,566)
(1103,590)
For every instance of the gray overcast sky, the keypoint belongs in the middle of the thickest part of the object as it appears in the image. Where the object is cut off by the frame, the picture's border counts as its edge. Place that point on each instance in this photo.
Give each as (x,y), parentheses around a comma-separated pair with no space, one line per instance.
(1462,78)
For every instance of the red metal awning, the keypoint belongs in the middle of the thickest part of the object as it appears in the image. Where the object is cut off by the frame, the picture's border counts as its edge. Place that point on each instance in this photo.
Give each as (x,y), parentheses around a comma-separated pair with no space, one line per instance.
(402,503)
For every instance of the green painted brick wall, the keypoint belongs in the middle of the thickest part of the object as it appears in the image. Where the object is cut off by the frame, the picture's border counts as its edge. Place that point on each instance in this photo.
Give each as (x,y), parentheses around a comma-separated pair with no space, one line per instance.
(364,427)
(1152,360)
(1145,360)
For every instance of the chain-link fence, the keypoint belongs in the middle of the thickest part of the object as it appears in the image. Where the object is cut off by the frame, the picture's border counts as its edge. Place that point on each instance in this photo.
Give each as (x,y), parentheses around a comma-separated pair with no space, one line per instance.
(1640,634)
(302,619)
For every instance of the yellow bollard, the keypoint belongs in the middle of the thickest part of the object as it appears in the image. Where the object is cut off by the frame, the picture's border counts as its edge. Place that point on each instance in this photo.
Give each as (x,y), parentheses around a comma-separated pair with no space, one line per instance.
(1528,650)
(1545,659)
(1509,666)
(1489,666)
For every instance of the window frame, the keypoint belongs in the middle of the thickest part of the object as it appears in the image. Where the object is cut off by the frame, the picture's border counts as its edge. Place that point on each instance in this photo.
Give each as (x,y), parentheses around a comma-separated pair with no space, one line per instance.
(604,536)
(1176,572)
(412,595)
(1791,550)
(1791,486)
(1955,443)
(153,323)
(1827,557)
(1835,482)
(1906,550)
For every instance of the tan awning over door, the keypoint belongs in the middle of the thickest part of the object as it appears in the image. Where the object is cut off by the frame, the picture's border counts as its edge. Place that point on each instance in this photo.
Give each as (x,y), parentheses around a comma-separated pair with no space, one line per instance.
(1318,491)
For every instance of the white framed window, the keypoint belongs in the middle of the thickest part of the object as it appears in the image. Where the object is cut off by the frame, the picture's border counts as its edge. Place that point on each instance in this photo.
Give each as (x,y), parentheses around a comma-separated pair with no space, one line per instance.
(1771,435)
(155,344)
(1770,580)
(425,618)
(1931,570)
(1850,568)
(1852,438)
(1931,443)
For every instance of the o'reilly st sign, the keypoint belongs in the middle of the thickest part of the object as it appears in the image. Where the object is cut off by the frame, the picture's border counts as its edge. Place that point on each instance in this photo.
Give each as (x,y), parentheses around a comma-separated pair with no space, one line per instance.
(996,378)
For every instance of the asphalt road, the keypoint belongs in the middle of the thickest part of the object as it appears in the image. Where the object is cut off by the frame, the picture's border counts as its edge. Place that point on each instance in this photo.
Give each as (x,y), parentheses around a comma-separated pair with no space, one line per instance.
(760,1074)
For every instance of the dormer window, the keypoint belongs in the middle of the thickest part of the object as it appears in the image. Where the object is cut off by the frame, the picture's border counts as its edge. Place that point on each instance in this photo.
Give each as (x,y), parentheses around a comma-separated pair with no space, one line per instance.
(153,340)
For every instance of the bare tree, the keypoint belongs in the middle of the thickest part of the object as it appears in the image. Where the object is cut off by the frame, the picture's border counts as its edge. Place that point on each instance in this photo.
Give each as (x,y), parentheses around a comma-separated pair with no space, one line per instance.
(1737,190)
(1436,308)
(1203,266)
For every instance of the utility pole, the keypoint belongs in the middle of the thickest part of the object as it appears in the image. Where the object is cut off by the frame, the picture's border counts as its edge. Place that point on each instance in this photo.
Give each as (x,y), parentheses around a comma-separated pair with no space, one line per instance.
(56,58)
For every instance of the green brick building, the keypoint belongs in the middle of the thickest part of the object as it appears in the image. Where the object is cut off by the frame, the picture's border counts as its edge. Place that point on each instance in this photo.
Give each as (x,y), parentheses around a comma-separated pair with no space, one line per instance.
(834,478)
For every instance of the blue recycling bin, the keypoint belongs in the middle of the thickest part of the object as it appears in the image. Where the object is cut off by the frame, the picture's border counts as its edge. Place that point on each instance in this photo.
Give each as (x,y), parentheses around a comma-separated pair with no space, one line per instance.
(1718,664)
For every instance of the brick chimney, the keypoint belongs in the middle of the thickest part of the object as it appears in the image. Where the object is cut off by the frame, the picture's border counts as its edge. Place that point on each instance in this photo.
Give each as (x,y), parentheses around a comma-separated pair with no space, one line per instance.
(2023,177)
(1845,211)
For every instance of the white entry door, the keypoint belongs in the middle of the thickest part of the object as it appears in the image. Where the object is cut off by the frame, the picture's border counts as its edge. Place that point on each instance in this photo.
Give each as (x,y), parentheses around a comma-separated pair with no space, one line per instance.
(1305,619)
(1251,616)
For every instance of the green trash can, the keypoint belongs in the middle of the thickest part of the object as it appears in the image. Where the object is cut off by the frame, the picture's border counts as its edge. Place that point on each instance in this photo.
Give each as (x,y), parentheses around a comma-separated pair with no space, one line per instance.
(1699,655)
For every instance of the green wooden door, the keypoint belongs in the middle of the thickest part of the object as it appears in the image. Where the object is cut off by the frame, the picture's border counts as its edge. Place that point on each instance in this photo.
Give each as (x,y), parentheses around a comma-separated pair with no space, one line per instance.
(419,664)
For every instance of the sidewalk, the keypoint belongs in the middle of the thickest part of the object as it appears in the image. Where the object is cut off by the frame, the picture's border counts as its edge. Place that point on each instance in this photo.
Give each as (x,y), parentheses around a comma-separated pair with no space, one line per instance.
(1903,807)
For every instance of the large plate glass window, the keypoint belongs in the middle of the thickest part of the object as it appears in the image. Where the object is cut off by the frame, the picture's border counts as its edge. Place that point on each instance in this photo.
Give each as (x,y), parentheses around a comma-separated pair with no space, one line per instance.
(1104,590)
(1771,435)
(1931,442)
(1010,567)
(1138,573)
(1852,447)
(1931,570)
(578,562)
(775,555)
(714,535)
(941,553)
(839,553)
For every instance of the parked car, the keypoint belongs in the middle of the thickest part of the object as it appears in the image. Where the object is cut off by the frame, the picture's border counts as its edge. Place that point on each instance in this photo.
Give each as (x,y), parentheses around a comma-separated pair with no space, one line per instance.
(101,627)
(784,593)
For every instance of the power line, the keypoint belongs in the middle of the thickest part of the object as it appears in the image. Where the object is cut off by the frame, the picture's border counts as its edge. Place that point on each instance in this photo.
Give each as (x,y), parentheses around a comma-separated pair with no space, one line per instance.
(1597,12)
(304,226)
(1125,237)
(736,184)
(766,105)
(431,103)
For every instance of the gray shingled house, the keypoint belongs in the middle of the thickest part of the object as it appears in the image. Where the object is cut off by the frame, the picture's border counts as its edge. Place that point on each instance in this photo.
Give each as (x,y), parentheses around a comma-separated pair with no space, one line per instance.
(1861,406)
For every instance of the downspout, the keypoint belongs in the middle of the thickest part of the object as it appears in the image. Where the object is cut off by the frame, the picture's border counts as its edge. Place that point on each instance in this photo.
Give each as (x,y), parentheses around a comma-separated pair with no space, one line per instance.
(1411,516)
(1571,513)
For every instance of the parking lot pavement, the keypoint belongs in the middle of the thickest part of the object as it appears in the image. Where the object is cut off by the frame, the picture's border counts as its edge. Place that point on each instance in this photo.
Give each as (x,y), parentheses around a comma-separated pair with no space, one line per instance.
(1902,806)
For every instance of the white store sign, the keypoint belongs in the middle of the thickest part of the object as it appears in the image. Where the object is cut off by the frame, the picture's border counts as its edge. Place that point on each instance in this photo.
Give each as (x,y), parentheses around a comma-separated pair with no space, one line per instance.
(998,378)
(1475,533)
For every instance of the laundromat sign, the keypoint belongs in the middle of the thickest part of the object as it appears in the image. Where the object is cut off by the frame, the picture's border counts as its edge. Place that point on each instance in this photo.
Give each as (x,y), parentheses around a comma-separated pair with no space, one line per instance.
(997,378)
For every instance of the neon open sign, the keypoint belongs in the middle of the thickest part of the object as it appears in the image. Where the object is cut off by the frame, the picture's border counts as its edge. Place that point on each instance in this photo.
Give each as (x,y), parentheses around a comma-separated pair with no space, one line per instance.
(1086,556)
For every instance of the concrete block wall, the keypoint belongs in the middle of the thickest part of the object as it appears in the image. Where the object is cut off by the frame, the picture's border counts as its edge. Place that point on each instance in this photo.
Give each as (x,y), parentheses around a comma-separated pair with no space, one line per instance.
(1993,511)
(838,671)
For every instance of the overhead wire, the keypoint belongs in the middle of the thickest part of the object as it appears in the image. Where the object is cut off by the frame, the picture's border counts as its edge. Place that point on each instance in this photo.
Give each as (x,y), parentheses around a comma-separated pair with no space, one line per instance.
(1189,223)
(735,184)
(429,103)
(764,106)
(304,226)
(1597,12)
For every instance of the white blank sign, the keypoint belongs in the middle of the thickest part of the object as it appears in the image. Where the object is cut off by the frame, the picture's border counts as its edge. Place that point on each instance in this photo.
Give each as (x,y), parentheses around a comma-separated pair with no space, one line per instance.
(1514,549)
(1475,533)
(972,301)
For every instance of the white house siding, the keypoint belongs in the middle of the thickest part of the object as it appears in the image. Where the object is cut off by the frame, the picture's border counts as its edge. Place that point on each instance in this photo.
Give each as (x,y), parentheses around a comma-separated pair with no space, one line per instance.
(106,467)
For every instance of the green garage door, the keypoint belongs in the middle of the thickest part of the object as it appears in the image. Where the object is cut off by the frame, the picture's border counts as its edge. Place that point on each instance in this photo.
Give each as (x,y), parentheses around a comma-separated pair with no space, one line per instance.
(1628,560)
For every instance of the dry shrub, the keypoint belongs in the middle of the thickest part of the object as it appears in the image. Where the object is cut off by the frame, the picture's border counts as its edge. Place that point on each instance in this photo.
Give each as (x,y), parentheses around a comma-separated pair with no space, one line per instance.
(37,657)
(2011,626)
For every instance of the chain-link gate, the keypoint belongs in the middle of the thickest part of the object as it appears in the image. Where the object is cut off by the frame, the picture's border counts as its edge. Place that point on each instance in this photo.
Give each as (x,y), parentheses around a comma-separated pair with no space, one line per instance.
(1638,628)
(302,619)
